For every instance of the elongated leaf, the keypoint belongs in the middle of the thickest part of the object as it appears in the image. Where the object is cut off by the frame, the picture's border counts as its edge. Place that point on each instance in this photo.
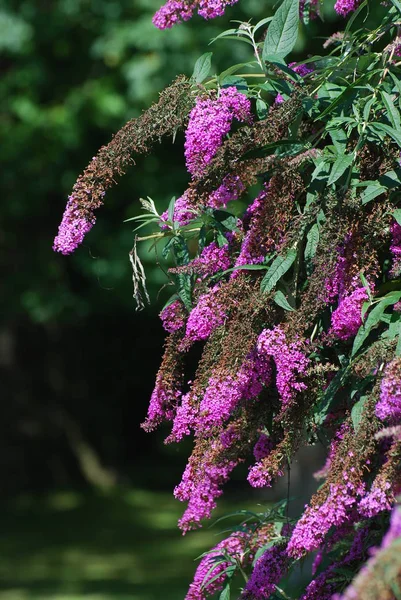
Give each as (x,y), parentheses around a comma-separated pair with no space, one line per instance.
(281,148)
(171,207)
(232,70)
(373,319)
(261,23)
(312,241)
(392,113)
(341,164)
(279,267)
(383,128)
(372,191)
(202,67)
(356,412)
(397,5)
(322,409)
(397,215)
(282,33)
(225,594)
(282,301)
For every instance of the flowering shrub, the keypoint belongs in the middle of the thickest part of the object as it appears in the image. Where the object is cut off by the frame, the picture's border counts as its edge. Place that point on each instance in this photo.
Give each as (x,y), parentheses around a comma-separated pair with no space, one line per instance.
(295,303)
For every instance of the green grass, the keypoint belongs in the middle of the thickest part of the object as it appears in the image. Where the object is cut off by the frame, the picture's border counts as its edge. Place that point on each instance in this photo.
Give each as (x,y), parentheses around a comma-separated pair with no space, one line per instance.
(120,546)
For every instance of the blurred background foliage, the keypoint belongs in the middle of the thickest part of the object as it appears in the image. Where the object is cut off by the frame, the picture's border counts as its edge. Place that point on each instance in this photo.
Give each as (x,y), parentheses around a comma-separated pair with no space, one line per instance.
(77,362)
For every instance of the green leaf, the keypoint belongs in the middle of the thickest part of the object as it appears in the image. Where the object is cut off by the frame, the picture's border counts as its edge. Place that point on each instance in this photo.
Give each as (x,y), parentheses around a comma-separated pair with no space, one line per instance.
(261,108)
(312,242)
(290,147)
(225,594)
(392,113)
(383,128)
(202,67)
(322,409)
(282,33)
(373,319)
(232,70)
(397,5)
(282,301)
(341,164)
(372,191)
(279,267)
(170,211)
(339,138)
(235,81)
(397,215)
(356,412)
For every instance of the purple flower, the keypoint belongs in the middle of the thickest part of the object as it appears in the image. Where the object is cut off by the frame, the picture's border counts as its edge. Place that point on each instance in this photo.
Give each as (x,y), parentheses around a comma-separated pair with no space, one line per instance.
(205,317)
(267,573)
(175,11)
(202,585)
(183,212)
(395,249)
(72,229)
(343,7)
(251,251)
(201,484)
(260,477)
(212,260)
(209,122)
(223,395)
(162,404)
(394,531)
(346,319)
(388,407)
(173,316)
(316,522)
(184,420)
(376,501)
(291,363)
(230,189)
(262,447)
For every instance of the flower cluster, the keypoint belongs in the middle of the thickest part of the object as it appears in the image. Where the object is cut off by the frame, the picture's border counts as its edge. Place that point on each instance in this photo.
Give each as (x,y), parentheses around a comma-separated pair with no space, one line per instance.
(205,317)
(175,11)
(388,407)
(291,363)
(346,319)
(209,122)
(344,7)
(395,248)
(267,573)
(316,522)
(173,316)
(224,394)
(73,228)
(207,580)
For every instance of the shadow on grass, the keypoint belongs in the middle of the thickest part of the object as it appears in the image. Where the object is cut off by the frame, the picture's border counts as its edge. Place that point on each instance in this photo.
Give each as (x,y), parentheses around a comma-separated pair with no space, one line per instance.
(119,546)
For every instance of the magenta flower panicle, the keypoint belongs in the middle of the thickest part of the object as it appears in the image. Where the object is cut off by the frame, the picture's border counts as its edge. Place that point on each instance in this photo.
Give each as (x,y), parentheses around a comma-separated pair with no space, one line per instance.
(73,228)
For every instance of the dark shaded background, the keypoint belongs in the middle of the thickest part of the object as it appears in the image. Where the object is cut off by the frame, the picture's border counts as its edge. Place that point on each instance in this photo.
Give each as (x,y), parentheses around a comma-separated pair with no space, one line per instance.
(77,362)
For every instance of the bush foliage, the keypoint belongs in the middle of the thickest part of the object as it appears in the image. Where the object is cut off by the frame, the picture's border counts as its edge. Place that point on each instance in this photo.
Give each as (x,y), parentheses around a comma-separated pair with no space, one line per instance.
(295,303)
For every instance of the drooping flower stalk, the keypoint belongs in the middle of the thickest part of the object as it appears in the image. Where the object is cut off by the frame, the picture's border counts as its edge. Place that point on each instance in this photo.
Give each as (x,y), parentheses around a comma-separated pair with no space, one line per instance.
(136,137)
